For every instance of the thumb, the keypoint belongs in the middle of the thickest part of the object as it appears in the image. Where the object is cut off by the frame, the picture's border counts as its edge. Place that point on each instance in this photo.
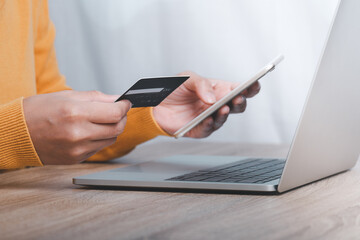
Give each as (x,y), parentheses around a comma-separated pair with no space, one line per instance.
(94,96)
(202,87)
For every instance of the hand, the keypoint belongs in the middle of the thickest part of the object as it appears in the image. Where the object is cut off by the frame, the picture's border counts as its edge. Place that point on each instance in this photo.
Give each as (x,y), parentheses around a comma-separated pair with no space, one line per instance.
(193,97)
(68,127)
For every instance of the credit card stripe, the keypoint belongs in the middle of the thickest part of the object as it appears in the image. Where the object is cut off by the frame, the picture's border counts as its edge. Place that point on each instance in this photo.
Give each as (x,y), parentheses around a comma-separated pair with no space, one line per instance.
(147,90)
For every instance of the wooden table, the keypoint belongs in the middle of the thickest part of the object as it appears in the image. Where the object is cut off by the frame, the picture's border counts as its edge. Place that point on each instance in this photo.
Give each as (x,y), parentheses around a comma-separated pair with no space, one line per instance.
(42,203)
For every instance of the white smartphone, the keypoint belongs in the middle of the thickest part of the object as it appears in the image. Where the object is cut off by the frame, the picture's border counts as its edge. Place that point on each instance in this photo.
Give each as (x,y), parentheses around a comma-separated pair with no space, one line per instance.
(227,98)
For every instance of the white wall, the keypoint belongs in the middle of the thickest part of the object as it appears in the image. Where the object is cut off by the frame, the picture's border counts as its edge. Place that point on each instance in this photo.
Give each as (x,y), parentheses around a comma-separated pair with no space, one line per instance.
(108,45)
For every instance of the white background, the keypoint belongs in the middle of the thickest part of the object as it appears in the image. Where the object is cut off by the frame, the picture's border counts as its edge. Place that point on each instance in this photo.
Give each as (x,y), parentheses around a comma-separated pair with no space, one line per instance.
(107,45)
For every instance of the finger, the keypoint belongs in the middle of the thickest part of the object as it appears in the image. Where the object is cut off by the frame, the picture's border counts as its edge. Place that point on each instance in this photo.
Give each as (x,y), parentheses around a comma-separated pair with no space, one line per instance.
(203,88)
(235,102)
(204,129)
(107,112)
(96,146)
(234,85)
(100,144)
(238,104)
(106,131)
(93,96)
(252,90)
(221,117)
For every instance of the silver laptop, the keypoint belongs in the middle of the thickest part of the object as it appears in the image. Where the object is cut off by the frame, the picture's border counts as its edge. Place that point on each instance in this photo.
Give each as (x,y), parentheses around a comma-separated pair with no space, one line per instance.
(326,142)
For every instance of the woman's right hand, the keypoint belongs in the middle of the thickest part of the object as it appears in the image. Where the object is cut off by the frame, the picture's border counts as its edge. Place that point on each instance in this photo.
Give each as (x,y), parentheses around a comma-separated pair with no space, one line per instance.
(68,127)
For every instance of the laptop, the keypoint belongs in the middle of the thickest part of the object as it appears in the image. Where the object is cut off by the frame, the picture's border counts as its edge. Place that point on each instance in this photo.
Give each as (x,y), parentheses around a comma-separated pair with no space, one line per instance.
(326,142)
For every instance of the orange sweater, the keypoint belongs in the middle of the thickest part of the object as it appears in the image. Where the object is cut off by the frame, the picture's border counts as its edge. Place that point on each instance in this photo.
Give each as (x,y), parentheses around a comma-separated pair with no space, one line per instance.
(27,67)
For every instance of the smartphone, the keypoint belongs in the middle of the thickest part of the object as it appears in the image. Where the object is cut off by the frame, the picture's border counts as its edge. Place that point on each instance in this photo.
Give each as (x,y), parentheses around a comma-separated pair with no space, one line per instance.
(227,98)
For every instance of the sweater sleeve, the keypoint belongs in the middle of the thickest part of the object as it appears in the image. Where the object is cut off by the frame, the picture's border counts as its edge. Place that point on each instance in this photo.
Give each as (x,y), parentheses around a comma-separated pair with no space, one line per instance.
(48,77)
(16,147)
(140,126)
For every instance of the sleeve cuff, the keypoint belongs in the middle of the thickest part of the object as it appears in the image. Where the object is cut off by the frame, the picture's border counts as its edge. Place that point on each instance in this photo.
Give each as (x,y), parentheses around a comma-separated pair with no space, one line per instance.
(16,147)
(156,125)
(141,126)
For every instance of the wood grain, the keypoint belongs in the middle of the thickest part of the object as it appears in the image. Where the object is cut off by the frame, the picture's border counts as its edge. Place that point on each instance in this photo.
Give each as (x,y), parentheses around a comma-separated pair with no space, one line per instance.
(42,203)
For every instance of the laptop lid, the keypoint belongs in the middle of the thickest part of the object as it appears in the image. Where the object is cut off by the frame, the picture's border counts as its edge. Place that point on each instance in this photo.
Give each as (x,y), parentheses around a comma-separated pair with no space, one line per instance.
(327,140)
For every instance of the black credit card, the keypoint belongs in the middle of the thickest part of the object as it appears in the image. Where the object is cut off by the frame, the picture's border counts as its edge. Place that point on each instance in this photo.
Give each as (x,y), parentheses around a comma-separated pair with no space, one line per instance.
(150,92)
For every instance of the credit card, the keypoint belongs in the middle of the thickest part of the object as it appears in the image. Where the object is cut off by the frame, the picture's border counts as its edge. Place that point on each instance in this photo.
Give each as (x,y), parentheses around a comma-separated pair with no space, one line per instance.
(150,92)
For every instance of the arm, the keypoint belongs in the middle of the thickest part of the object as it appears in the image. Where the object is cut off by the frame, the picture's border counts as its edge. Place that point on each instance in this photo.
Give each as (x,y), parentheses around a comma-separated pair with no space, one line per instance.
(185,103)
(24,27)
(49,79)
(69,127)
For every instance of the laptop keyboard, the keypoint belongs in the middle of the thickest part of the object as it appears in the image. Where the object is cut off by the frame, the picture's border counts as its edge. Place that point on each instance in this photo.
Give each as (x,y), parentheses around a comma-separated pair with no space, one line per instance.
(251,170)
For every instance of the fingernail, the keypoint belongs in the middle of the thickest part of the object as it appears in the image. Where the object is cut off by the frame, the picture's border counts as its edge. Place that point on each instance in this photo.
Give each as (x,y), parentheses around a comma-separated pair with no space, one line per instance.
(239,100)
(130,103)
(211,98)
